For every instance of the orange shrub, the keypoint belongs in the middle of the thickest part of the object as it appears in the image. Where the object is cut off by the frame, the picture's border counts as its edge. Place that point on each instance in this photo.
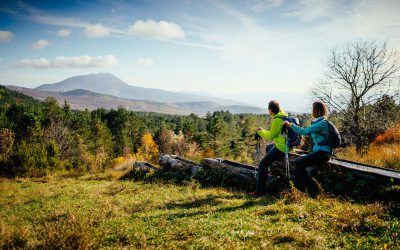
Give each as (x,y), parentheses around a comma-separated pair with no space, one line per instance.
(209,153)
(392,135)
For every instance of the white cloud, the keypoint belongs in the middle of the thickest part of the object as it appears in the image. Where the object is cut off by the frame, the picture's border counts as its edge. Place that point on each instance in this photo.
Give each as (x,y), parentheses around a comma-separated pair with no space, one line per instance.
(40,44)
(264,5)
(309,10)
(159,30)
(6,36)
(84,61)
(96,31)
(64,32)
(145,61)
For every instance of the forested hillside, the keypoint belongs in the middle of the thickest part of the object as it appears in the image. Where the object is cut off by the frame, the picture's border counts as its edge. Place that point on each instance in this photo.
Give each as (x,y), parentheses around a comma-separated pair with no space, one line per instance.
(39,138)
(8,97)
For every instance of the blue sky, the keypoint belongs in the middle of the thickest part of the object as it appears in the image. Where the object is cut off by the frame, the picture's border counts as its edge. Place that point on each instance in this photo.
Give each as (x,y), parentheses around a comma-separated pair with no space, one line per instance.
(249,50)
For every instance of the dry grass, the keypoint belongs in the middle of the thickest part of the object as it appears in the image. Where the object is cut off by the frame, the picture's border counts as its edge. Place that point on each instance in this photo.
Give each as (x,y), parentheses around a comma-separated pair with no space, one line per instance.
(98,211)
(384,155)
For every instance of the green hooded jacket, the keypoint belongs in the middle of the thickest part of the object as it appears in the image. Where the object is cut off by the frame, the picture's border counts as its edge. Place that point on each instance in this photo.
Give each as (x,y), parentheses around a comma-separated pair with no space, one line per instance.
(275,134)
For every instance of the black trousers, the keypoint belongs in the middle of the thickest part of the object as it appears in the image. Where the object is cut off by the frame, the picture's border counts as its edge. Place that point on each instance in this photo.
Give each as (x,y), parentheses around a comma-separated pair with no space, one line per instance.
(302,180)
(272,155)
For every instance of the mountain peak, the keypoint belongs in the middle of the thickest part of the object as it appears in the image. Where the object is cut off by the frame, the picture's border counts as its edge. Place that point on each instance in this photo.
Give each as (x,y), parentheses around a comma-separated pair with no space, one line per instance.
(100,83)
(98,75)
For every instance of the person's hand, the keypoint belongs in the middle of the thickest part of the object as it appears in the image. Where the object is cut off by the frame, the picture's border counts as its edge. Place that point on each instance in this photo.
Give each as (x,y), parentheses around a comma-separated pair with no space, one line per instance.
(259,128)
(287,124)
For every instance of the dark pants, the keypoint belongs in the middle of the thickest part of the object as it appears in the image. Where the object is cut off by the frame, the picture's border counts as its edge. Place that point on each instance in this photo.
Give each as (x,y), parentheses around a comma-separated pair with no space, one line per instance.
(302,180)
(272,155)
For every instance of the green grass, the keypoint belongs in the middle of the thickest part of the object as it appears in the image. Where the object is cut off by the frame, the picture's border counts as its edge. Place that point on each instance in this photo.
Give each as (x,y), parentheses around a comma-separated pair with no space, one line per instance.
(98,211)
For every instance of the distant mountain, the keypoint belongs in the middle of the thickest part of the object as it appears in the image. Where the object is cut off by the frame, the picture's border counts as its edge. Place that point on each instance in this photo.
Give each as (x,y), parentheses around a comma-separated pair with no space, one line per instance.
(84,99)
(108,84)
(204,107)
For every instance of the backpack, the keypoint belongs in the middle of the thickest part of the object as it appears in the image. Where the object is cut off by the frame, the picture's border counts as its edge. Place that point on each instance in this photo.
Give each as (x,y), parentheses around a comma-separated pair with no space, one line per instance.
(293,139)
(335,140)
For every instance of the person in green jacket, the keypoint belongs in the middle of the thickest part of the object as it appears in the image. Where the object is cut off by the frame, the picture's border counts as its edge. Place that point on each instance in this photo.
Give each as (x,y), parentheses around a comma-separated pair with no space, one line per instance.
(275,150)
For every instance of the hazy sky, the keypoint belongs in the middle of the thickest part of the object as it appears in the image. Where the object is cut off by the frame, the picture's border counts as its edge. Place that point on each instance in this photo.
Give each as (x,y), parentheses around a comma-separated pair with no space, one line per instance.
(250,50)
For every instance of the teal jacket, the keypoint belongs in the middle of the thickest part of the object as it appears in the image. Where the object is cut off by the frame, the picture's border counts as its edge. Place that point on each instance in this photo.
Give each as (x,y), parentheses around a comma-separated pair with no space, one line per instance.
(319,132)
(275,134)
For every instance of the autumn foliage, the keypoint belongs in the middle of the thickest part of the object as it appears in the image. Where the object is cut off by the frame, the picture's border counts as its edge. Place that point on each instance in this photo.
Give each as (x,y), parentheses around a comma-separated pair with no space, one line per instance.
(383,152)
(149,148)
(392,135)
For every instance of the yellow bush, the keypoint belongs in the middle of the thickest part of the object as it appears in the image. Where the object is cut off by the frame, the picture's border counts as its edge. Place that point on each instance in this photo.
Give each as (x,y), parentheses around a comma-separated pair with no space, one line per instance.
(118,160)
(149,149)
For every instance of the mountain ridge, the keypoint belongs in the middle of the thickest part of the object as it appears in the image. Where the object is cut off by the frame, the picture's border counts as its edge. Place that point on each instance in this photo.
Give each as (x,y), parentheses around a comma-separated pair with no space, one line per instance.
(83,99)
(106,83)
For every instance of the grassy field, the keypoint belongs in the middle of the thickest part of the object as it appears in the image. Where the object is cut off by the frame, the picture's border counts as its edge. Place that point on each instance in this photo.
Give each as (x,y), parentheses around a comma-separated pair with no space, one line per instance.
(99,211)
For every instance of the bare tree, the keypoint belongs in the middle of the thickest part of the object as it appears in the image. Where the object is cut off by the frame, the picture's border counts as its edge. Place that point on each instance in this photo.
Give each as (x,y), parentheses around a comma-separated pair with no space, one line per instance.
(58,131)
(358,75)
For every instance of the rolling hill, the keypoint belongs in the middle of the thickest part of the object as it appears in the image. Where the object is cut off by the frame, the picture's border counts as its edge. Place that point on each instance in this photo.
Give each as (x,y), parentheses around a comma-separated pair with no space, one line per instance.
(9,97)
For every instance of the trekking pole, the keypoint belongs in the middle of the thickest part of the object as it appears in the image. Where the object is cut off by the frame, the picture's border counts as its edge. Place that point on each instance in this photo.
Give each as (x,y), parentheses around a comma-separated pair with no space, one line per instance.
(258,142)
(287,163)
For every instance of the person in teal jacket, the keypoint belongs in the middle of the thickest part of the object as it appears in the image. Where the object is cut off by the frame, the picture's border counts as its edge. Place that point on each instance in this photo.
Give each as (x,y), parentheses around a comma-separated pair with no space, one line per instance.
(321,151)
(275,150)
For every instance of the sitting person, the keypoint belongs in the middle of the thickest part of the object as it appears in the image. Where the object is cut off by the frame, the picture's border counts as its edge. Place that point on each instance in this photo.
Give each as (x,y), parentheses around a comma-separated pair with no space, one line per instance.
(321,151)
(276,150)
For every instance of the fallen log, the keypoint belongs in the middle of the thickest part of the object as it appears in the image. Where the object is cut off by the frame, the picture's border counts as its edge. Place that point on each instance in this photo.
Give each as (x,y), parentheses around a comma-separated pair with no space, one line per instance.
(369,180)
(138,171)
(377,175)
(243,173)
(138,165)
(178,163)
(363,171)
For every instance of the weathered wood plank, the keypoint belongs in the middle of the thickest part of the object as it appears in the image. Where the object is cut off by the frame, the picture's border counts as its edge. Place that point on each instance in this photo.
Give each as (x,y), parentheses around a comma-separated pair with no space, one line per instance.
(363,171)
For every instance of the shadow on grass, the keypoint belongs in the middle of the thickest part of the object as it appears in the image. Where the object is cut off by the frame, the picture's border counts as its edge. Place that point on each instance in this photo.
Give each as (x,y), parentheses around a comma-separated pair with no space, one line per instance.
(344,186)
(213,200)
(209,200)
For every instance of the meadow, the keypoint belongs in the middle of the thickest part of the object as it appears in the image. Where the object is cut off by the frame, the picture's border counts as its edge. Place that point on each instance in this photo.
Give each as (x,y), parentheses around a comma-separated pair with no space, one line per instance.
(101,211)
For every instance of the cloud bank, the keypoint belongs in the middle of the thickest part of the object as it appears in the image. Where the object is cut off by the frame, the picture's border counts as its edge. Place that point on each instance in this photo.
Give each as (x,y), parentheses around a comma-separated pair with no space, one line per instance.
(84,61)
